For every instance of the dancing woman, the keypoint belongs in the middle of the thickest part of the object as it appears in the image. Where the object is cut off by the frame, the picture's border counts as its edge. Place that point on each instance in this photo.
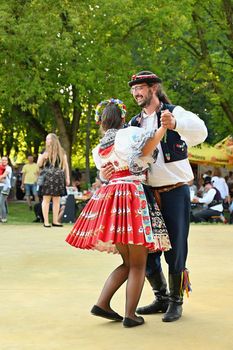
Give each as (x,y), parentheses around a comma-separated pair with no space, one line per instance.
(117,217)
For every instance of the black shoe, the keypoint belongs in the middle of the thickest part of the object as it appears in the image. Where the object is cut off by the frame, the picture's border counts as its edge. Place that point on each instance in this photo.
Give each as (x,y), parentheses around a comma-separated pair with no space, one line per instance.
(47,225)
(129,322)
(57,225)
(97,311)
(157,306)
(37,220)
(174,312)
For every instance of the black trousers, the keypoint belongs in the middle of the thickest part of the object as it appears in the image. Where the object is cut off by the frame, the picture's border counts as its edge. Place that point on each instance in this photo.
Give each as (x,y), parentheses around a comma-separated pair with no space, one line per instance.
(38,211)
(204,215)
(175,208)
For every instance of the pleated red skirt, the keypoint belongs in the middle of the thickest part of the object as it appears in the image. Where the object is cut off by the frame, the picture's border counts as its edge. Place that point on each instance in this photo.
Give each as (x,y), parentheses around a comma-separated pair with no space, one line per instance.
(116,214)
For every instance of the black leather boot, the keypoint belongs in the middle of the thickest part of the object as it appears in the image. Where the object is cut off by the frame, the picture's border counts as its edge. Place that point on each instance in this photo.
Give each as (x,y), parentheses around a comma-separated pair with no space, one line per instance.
(160,304)
(174,310)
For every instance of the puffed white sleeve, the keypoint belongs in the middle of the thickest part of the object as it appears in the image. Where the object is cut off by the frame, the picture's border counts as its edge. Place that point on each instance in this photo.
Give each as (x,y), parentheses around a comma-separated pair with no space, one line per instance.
(189,126)
(128,146)
(96,157)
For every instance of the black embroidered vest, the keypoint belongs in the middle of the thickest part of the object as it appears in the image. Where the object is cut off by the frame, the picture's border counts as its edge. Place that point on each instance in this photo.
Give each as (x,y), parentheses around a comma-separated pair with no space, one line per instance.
(217,199)
(173,147)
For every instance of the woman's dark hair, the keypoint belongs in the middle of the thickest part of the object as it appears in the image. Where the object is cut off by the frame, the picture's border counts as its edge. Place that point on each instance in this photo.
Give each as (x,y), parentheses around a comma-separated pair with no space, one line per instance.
(111,117)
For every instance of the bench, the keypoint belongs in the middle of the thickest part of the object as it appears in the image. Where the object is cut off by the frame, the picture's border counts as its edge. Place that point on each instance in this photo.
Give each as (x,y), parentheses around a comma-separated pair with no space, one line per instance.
(218,218)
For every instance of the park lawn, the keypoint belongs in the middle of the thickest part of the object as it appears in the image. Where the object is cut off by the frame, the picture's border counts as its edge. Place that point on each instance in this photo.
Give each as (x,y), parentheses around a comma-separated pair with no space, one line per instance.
(19,213)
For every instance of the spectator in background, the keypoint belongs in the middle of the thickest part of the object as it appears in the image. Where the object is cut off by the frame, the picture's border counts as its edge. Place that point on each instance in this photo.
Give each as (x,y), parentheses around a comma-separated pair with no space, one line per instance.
(38,206)
(5,186)
(96,185)
(30,173)
(56,177)
(231,203)
(76,178)
(220,184)
(38,211)
(207,173)
(201,187)
(211,200)
(230,178)
(63,200)
(193,190)
(2,167)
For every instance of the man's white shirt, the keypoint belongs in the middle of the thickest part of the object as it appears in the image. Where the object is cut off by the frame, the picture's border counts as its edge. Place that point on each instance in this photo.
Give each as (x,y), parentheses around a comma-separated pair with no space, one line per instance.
(192,130)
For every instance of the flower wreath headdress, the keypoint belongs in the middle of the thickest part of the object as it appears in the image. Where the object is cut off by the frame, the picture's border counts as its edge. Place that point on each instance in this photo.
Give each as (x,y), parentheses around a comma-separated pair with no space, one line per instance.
(100,107)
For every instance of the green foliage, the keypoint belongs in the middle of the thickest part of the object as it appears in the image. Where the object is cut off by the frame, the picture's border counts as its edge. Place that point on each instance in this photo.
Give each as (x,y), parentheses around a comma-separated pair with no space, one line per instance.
(58,59)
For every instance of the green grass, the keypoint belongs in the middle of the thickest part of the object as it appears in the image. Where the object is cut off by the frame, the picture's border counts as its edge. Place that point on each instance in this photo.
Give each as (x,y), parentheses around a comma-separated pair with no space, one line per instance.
(19,213)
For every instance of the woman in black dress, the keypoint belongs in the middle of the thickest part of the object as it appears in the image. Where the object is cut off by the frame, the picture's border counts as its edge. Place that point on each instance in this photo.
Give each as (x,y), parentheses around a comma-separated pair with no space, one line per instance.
(55,170)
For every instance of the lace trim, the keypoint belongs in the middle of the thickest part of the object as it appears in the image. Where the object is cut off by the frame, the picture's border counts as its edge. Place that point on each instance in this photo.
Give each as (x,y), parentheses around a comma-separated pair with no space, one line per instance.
(161,242)
(136,166)
(108,139)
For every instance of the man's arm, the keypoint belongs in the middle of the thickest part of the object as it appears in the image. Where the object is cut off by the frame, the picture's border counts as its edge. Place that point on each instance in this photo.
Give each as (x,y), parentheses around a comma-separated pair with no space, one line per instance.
(4,175)
(208,198)
(22,183)
(191,128)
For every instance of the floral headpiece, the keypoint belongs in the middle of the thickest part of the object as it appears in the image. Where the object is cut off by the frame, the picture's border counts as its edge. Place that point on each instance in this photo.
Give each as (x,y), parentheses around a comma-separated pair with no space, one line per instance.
(103,104)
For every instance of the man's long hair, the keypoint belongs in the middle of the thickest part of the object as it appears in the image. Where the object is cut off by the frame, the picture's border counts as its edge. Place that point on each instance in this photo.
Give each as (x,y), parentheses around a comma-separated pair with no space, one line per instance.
(162,95)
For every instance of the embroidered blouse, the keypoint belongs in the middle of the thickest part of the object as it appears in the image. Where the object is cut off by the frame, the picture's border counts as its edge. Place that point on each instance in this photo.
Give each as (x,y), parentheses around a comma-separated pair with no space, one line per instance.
(125,152)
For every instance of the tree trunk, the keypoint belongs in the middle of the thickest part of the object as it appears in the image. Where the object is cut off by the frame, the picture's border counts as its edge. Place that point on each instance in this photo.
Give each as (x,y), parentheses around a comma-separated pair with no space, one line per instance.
(76,116)
(88,177)
(63,134)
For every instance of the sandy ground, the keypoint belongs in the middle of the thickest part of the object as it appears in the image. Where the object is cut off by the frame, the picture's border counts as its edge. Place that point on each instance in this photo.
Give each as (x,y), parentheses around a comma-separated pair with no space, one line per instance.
(47,289)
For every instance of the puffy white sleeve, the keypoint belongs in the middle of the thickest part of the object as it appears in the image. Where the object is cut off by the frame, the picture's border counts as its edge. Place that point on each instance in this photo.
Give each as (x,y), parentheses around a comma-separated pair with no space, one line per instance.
(209,196)
(96,157)
(189,126)
(128,146)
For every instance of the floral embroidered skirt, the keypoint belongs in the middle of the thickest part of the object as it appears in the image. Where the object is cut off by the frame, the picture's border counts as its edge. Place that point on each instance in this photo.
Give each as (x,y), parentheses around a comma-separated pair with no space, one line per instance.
(118,213)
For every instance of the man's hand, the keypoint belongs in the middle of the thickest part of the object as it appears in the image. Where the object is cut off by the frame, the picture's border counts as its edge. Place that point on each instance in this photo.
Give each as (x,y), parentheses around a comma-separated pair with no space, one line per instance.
(195,200)
(106,171)
(168,120)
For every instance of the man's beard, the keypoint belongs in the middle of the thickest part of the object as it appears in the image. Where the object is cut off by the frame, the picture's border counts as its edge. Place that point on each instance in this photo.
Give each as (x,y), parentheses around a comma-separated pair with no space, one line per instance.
(147,100)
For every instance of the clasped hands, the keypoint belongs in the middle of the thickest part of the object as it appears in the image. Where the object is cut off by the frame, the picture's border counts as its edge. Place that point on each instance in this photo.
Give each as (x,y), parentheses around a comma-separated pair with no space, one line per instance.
(106,171)
(168,121)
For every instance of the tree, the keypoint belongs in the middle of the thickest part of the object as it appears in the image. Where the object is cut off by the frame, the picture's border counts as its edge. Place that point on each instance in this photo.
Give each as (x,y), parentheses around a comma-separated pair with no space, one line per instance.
(60,58)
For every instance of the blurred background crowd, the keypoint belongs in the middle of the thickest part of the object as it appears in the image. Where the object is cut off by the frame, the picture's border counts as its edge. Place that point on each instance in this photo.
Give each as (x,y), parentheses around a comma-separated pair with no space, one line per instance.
(211,193)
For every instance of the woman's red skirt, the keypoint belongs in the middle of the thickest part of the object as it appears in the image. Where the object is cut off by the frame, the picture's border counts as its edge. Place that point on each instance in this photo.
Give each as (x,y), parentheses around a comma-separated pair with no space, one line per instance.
(116,214)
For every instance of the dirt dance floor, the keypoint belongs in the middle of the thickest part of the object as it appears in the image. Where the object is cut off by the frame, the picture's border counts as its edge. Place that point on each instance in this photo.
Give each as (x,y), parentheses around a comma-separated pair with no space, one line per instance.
(47,289)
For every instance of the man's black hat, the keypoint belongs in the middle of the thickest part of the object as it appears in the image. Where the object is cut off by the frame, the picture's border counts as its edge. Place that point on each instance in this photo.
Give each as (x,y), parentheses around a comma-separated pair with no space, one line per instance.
(144,77)
(207,180)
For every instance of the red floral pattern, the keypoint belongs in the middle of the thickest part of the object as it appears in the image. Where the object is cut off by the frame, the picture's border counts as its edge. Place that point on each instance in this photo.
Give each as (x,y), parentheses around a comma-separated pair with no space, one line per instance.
(109,218)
